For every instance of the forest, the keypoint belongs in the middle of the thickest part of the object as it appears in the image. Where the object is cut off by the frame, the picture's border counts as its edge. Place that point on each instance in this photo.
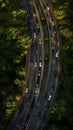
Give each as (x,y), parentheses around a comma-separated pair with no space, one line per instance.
(14,42)
(61,116)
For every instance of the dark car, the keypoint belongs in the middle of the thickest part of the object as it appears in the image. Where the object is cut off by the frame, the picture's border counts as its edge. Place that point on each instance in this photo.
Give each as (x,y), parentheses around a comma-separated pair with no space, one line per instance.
(46,107)
(39,114)
(45,96)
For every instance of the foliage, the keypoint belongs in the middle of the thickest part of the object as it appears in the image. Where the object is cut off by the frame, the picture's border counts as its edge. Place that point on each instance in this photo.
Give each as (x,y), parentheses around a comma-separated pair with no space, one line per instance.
(14,42)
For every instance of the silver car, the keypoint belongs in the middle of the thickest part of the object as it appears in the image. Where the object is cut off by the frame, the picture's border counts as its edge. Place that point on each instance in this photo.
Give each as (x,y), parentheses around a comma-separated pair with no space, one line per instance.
(49,97)
(35,64)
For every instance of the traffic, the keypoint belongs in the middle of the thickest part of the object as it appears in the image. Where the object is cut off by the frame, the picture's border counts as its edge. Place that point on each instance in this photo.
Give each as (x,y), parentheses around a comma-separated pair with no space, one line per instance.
(42,79)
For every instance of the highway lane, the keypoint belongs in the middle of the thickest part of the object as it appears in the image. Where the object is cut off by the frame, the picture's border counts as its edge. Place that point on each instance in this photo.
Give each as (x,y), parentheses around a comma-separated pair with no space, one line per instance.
(39,49)
(49,14)
(31,98)
(22,115)
(44,103)
(31,121)
(39,108)
(53,33)
(18,116)
(55,69)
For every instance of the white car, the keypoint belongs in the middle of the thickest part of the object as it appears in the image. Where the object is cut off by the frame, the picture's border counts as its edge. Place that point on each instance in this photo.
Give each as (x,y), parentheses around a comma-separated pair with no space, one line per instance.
(49,97)
(40,41)
(40,64)
(35,64)
(34,34)
(48,8)
(38,25)
(36,92)
(56,54)
(26,90)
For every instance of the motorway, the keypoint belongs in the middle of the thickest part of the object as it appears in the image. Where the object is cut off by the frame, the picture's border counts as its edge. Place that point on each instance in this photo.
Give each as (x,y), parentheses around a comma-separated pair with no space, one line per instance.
(42,79)
(44,105)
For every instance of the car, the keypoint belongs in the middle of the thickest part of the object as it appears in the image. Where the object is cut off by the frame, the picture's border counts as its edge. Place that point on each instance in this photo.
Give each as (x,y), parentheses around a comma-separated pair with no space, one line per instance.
(33,81)
(57,54)
(49,97)
(39,73)
(34,14)
(32,104)
(39,114)
(28,102)
(43,119)
(55,31)
(52,90)
(26,90)
(37,85)
(38,79)
(34,34)
(36,92)
(18,126)
(25,124)
(57,60)
(35,64)
(40,41)
(38,26)
(46,106)
(48,8)
(52,23)
(39,69)
(38,103)
(45,96)
(30,111)
(40,64)
(26,121)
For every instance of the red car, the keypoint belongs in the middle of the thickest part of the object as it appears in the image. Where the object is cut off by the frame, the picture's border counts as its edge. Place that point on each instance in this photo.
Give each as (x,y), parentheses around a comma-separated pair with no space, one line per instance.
(46,107)
(45,96)
(30,111)
(33,81)
(28,102)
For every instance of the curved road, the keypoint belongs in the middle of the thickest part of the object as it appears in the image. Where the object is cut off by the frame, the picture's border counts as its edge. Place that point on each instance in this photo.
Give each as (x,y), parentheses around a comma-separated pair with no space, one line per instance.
(41,82)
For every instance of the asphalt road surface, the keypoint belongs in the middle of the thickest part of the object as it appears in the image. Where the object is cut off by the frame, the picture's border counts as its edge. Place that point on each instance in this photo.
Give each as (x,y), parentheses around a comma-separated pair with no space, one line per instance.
(37,102)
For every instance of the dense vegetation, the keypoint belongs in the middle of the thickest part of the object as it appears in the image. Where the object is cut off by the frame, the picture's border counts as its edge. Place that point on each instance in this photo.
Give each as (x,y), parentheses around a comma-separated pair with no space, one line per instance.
(61,117)
(14,42)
